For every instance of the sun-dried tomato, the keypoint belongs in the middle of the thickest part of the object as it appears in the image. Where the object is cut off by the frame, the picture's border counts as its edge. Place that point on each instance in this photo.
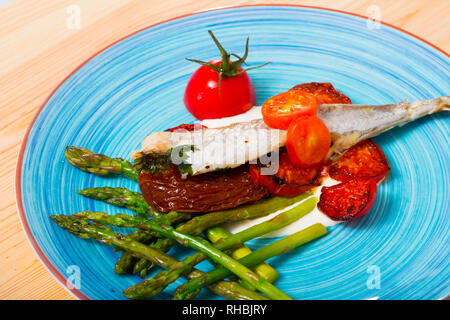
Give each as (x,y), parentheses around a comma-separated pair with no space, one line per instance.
(212,191)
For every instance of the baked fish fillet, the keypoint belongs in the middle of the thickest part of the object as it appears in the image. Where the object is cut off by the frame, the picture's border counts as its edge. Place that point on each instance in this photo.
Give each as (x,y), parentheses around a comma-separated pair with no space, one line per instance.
(240,142)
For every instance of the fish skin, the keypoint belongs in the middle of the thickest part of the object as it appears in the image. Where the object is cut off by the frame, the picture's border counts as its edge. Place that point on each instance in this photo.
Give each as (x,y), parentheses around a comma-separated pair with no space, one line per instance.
(217,148)
(240,142)
(351,123)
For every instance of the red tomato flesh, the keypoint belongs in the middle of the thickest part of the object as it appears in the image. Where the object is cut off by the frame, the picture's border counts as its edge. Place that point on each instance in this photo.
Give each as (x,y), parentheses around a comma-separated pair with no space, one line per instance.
(295,175)
(276,186)
(187,127)
(204,101)
(289,181)
(308,141)
(348,200)
(279,111)
(363,160)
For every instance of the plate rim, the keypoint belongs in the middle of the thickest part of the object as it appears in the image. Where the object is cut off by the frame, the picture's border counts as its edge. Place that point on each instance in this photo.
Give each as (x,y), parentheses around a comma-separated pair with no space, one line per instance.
(19,202)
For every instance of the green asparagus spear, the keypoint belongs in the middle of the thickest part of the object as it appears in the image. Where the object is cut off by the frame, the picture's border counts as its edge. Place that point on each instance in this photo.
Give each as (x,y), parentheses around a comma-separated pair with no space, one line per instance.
(99,164)
(264,270)
(134,201)
(141,267)
(147,288)
(122,197)
(198,244)
(81,227)
(192,287)
(126,262)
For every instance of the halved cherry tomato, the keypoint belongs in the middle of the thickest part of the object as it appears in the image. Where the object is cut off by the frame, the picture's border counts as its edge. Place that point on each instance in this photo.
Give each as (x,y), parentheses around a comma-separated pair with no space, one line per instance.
(348,200)
(324,92)
(276,186)
(279,111)
(363,160)
(308,141)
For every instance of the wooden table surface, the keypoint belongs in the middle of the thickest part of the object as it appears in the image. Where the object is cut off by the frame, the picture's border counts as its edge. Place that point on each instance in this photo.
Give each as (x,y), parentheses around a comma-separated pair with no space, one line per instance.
(40,44)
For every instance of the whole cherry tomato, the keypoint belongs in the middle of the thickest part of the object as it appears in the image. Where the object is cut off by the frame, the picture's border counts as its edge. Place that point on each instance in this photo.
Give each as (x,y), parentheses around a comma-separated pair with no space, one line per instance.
(308,141)
(280,110)
(204,100)
(220,88)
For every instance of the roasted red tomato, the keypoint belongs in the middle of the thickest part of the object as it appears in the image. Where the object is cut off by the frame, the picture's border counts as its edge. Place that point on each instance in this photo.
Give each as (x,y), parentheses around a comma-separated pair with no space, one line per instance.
(363,160)
(295,175)
(279,111)
(276,186)
(348,200)
(308,141)
(324,93)
(289,181)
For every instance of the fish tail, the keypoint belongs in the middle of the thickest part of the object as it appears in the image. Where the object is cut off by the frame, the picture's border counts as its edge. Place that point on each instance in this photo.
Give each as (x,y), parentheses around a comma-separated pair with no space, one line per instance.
(419,109)
(444,103)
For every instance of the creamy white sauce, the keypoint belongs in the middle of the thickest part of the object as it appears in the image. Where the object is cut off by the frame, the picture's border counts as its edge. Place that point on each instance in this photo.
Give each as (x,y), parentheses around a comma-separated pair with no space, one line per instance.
(316,216)
(252,114)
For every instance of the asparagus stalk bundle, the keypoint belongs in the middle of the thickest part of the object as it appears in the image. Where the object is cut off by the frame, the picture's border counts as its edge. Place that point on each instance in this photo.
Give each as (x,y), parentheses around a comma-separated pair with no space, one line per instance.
(147,288)
(198,244)
(82,228)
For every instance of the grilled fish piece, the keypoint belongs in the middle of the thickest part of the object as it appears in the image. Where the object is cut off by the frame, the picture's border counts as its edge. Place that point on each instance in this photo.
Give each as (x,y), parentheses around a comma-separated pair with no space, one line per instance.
(241,142)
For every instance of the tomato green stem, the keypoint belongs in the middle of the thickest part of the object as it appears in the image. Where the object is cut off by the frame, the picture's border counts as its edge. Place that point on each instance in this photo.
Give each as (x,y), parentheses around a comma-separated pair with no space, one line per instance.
(227,67)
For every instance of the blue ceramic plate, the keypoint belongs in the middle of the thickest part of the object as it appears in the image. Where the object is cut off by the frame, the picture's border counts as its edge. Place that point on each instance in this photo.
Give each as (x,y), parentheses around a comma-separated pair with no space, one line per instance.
(110,103)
